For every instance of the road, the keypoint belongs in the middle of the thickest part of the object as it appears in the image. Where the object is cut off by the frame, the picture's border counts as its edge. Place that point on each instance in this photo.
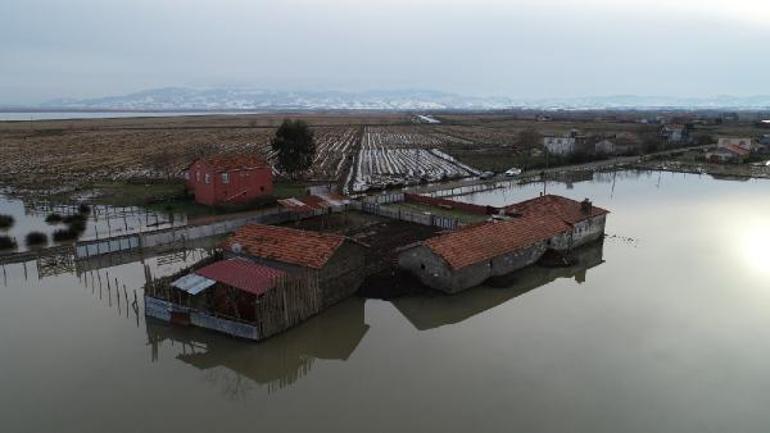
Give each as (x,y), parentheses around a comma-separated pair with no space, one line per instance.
(536,174)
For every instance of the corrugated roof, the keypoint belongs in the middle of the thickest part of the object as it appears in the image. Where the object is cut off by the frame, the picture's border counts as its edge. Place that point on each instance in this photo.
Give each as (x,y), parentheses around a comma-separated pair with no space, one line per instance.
(242,274)
(299,247)
(193,283)
(237,162)
(310,203)
(538,219)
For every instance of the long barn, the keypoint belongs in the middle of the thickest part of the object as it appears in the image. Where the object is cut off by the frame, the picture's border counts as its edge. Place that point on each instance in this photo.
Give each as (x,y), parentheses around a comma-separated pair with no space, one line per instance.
(465,258)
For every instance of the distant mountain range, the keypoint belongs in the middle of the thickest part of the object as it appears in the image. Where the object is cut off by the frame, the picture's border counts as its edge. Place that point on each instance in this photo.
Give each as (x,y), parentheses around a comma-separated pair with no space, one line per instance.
(213,99)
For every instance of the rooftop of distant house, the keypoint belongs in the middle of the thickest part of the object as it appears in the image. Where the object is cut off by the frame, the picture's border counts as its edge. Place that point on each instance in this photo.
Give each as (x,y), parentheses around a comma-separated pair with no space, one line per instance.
(532,221)
(283,244)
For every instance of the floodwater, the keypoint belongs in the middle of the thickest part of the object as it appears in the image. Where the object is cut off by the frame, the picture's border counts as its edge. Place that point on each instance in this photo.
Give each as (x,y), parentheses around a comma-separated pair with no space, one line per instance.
(665,327)
(103,221)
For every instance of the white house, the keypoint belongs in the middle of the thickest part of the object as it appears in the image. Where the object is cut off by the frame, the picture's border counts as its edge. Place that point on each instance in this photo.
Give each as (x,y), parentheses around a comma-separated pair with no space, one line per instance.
(605,147)
(560,145)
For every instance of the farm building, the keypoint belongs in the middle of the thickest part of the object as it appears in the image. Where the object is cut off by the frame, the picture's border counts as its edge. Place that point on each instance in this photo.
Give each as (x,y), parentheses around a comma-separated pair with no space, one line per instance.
(235,296)
(675,134)
(619,144)
(447,310)
(560,145)
(229,180)
(268,279)
(465,258)
(745,143)
(336,260)
(727,154)
(732,150)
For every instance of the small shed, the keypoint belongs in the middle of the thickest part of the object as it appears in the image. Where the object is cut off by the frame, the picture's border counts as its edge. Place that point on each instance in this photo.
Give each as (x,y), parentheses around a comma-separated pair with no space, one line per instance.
(337,261)
(228,287)
(229,180)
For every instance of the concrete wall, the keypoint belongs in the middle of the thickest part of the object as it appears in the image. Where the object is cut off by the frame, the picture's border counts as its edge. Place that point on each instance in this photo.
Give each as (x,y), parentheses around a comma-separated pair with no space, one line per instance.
(434,272)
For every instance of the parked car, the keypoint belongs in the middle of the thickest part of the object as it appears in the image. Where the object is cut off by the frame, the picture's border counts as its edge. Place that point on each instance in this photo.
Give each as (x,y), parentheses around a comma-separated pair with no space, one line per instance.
(513,172)
(487,175)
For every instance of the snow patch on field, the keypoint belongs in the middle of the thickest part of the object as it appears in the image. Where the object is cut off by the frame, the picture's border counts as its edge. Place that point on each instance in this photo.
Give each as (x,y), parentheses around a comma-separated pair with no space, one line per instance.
(388,160)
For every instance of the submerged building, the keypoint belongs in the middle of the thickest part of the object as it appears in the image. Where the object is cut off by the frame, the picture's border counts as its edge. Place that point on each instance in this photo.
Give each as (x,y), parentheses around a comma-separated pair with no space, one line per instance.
(458,260)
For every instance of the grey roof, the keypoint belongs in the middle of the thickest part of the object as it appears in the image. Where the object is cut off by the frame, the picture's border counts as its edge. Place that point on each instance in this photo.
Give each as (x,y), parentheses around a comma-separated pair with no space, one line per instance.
(193,283)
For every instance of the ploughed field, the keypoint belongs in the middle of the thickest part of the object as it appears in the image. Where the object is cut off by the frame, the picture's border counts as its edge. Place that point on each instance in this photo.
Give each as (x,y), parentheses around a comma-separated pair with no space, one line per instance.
(359,151)
(64,154)
(394,156)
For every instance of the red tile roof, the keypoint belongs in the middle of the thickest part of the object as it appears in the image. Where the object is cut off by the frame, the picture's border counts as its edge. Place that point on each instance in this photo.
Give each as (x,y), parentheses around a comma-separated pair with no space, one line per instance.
(282,244)
(485,241)
(238,162)
(738,150)
(569,211)
(539,219)
(242,274)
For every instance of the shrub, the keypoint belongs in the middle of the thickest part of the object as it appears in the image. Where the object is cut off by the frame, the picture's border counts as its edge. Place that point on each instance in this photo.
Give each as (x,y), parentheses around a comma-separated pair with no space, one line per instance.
(7,243)
(53,218)
(64,235)
(71,219)
(78,226)
(84,209)
(6,221)
(36,238)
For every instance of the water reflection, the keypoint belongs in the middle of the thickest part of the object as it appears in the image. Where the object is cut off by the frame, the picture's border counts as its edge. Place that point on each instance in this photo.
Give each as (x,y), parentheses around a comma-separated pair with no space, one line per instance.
(275,363)
(432,312)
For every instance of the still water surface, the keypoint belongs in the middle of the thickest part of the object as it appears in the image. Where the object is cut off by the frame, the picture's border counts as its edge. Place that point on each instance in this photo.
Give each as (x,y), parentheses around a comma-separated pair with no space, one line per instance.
(663,328)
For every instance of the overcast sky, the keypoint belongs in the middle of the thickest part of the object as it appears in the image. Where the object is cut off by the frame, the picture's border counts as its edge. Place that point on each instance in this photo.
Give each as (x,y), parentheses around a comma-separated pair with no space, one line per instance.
(515,48)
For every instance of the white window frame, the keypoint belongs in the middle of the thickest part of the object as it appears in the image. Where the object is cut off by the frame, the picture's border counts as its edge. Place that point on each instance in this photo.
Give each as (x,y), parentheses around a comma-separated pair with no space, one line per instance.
(225,177)
(207,179)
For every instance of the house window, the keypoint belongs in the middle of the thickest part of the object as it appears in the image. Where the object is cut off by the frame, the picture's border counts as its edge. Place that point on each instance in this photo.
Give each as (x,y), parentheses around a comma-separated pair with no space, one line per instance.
(225,177)
(198,176)
(207,178)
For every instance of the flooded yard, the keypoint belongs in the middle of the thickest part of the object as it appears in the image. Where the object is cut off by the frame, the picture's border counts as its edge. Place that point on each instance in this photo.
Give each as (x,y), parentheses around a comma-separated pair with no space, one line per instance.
(665,327)
(100,221)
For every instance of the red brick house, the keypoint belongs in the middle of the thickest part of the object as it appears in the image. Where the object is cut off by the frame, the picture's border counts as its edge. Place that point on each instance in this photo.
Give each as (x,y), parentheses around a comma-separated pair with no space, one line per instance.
(229,180)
